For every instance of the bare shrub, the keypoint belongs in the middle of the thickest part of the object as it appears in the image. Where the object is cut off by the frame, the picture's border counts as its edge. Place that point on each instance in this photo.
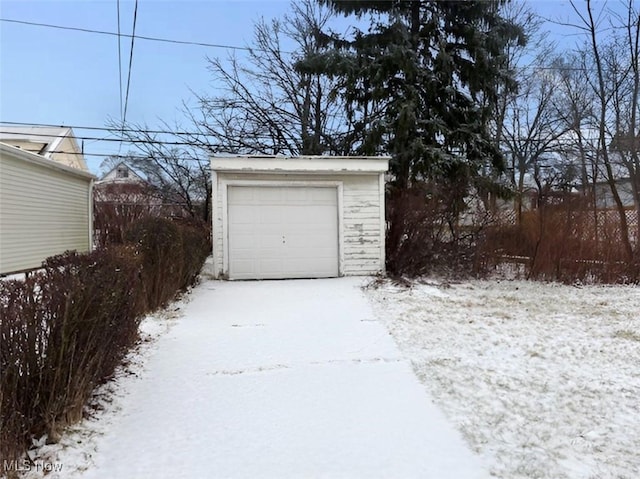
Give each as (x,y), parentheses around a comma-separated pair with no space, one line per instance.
(171,257)
(196,246)
(65,328)
(427,232)
(158,244)
(567,241)
(63,331)
(117,206)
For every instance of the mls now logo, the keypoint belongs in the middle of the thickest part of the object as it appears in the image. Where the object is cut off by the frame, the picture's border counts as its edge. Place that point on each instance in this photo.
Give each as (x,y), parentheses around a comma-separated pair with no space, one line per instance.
(26,466)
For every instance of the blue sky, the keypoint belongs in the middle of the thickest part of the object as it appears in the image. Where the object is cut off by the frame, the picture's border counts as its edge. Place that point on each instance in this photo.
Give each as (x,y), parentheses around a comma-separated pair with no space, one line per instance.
(71,78)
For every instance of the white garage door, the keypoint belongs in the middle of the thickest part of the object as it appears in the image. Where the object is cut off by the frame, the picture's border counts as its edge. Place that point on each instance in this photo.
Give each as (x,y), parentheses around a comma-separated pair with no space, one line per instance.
(282,232)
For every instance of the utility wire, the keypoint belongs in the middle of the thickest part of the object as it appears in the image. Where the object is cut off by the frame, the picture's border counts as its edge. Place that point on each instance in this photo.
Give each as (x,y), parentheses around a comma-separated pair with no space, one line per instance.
(119,57)
(141,37)
(100,128)
(124,140)
(195,144)
(234,47)
(133,38)
(113,155)
(82,137)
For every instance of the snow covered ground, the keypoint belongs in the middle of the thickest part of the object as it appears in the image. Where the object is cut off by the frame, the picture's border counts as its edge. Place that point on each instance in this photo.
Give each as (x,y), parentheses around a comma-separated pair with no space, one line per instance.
(543,380)
(273,379)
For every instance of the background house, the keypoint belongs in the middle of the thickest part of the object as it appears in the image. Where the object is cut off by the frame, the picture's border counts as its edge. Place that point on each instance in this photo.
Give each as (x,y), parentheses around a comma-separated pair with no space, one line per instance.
(121,173)
(122,196)
(54,143)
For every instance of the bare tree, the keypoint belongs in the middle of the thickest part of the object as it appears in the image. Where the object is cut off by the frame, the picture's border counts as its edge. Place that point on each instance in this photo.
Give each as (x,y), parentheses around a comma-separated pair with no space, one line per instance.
(178,171)
(574,109)
(527,130)
(264,104)
(615,107)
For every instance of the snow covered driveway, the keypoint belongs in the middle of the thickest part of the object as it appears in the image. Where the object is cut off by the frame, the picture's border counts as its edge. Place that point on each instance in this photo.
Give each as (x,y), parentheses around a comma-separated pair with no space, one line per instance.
(542,379)
(278,379)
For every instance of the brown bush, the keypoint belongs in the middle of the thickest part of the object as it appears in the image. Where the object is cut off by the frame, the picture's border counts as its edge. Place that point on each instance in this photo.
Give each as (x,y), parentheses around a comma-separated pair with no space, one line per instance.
(196,246)
(425,234)
(565,242)
(65,328)
(63,331)
(158,243)
(117,207)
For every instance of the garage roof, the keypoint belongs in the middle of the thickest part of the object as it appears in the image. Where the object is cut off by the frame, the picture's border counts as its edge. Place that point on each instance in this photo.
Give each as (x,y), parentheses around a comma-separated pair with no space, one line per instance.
(308,164)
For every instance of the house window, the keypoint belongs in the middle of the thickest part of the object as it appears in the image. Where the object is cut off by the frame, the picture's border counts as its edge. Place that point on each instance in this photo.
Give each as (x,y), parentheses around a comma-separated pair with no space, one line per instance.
(122,172)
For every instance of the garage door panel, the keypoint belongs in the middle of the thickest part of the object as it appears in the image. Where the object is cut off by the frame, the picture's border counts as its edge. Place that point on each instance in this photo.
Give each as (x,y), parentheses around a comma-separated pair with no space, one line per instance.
(305,243)
(271,219)
(269,264)
(244,214)
(298,195)
(244,243)
(269,242)
(243,196)
(282,232)
(244,267)
(323,195)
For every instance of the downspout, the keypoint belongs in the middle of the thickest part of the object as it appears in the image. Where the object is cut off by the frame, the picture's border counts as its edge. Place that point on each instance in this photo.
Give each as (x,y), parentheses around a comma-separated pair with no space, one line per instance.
(91,182)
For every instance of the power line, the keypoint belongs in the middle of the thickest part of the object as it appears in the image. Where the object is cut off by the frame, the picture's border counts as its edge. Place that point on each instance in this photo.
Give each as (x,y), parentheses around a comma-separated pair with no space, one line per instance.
(112,155)
(119,57)
(133,38)
(141,37)
(82,137)
(125,140)
(100,128)
(111,130)
(234,47)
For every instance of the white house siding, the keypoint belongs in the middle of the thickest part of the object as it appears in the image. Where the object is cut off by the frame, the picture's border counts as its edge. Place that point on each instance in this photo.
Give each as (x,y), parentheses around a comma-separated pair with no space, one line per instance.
(362,227)
(44,210)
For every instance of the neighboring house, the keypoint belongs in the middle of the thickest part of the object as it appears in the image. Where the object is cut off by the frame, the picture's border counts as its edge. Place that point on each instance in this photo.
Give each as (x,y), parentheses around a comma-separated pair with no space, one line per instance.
(121,173)
(54,143)
(604,195)
(623,181)
(122,197)
(123,186)
(45,209)
(298,217)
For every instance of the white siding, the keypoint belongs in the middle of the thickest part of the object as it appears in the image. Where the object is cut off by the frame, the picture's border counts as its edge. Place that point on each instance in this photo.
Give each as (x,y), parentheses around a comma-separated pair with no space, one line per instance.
(362,218)
(43,211)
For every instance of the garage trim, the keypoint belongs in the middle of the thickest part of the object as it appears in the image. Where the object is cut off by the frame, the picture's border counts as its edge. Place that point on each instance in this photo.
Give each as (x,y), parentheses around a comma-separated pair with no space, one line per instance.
(223,192)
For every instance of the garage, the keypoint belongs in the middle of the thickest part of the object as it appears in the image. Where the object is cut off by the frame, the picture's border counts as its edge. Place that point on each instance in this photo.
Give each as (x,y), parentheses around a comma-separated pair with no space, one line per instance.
(297,217)
(282,232)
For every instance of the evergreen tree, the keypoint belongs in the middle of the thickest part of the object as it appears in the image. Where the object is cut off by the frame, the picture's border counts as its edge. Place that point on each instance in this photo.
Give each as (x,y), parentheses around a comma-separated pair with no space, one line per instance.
(420,83)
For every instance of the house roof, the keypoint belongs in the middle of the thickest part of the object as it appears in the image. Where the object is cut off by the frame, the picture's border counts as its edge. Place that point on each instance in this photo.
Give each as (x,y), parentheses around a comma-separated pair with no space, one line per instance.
(45,139)
(27,156)
(56,143)
(109,176)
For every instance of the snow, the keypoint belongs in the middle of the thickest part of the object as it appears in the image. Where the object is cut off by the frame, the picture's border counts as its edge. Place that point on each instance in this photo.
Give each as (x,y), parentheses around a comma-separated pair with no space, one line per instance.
(282,379)
(543,380)
(269,379)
